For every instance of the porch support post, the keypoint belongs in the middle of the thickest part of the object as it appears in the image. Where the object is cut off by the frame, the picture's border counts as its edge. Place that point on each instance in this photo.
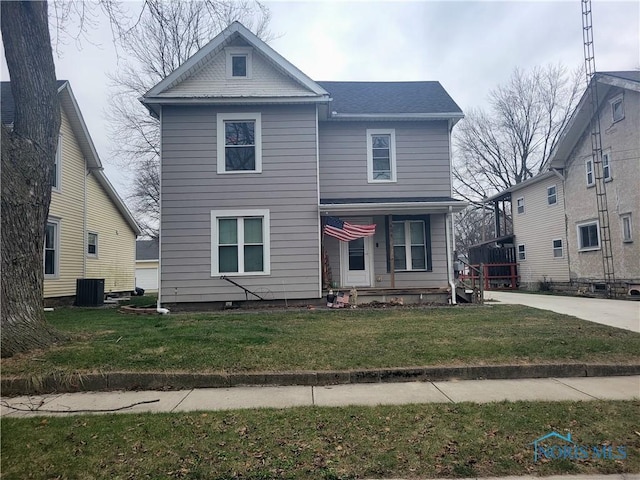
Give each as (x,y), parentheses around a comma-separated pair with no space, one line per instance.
(392,260)
(496,214)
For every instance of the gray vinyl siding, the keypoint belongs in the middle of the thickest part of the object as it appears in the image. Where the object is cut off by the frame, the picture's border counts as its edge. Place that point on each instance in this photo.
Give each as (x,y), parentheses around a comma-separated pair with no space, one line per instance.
(191,189)
(436,278)
(422,159)
(536,228)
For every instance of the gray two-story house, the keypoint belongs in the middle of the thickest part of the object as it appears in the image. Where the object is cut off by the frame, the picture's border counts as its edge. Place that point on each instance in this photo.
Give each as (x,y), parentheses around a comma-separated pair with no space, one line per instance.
(256,156)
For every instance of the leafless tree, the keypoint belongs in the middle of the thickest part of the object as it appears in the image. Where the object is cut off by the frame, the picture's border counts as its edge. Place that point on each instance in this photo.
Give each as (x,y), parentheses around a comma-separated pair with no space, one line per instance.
(167,34)
(509,142)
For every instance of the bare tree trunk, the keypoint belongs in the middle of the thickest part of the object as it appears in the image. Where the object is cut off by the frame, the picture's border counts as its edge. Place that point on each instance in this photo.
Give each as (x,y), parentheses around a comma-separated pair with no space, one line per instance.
(28,157)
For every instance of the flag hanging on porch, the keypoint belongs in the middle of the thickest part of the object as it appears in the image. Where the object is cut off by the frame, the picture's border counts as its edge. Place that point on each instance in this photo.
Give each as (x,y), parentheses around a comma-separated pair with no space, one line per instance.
(345,232)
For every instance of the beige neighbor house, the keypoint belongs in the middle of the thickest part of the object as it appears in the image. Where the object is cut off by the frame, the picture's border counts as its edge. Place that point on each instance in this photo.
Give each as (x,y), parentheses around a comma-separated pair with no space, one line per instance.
(555,216)
(90,232)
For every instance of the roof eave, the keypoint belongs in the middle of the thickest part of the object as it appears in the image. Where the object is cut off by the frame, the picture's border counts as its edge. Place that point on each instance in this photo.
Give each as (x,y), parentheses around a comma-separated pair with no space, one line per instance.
(393,207)
(153,102)
(456,116)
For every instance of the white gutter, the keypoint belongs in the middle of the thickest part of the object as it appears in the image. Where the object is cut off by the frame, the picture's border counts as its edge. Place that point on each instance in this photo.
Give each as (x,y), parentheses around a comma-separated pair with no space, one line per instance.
(321,257)
(448,226)
(159,305)
(435,207)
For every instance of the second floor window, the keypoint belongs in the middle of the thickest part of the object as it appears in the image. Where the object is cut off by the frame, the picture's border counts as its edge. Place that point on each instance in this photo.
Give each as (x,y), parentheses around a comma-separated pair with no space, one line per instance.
(617,109)
(589,171)
(57,166)
(552,195)
(239,143)
(520,205)
(606,166)
(381,153)
(92,244)
(522,254)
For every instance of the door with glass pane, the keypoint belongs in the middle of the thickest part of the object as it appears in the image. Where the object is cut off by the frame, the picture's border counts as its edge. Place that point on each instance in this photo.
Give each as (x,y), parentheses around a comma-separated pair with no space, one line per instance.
(356,261)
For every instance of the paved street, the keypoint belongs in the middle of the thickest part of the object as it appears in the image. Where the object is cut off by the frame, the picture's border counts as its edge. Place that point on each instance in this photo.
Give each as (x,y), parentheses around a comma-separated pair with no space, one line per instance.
(615,313)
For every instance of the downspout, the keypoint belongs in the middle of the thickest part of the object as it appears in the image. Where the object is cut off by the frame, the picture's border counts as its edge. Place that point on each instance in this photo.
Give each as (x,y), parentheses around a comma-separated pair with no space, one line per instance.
(320,233)
(87,172)
(448,228)
(159,308)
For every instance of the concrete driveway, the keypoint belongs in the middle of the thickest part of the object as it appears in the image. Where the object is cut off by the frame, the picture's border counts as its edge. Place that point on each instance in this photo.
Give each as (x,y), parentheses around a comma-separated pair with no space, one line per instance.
(615,313)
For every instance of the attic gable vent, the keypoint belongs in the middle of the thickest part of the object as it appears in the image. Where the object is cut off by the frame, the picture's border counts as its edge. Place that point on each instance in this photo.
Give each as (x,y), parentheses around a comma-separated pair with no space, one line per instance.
(239,62)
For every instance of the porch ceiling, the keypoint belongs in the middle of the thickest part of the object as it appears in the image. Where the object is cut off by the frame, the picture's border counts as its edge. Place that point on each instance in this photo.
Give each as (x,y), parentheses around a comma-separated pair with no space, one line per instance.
(390,206)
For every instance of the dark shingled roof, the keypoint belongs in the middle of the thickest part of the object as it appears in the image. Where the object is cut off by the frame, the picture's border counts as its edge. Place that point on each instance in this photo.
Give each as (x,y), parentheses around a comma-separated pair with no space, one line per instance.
(7,105)
(147,250)
(389,97)
(632,75)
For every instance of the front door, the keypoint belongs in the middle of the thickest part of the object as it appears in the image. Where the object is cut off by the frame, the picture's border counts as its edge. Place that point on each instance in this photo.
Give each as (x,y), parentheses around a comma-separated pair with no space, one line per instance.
(355,261)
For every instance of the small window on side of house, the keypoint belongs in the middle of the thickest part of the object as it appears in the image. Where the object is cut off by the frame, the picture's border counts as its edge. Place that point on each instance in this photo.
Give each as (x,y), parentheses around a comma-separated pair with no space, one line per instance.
(92,244)
(522,254)
(520,205)
(557,248)
(617,109)
(606,166)
(588,236)
(239,63)
(552,196)
(57,167)
(627,228)
(52,249)
(589,172)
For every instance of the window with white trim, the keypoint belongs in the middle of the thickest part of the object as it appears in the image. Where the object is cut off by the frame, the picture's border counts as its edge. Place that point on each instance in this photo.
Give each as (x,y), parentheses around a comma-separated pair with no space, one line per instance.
(589,236)
(52,249)
(606,166)
(627,231)
(381,155)
(92,244)
(557,248)
(589,171)
(522,254)
(240,243)
(239,62)
(520,205)
(617,109)
(57,167)
(552,195)
(239,141)
(410,245)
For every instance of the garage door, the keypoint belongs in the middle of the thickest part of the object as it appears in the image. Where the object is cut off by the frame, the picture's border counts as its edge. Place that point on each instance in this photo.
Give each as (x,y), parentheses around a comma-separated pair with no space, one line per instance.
(147,278)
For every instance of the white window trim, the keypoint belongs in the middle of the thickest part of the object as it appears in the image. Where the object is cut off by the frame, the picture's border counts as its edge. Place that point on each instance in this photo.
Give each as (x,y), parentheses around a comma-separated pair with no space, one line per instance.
(554,248)
(392,154)
(266,229)
(407,237)
(518,206)
(607,155)
(589,170)
(555,195)
(249,117)
(579,237)
(58,160)
(524,252)
(612,102)
(230,52)
(56,222)
(93,255)
(624,217)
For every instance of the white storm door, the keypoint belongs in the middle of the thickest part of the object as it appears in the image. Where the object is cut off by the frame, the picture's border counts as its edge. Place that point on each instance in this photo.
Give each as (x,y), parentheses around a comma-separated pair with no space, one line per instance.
(356,258)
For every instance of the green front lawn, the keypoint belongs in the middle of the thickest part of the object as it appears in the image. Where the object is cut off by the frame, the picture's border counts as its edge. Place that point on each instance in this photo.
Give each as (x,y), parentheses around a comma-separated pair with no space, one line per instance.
(414,441)
(104,340)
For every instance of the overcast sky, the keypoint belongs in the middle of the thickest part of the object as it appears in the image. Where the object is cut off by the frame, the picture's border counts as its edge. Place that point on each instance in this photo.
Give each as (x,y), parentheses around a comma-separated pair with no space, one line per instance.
(470,47)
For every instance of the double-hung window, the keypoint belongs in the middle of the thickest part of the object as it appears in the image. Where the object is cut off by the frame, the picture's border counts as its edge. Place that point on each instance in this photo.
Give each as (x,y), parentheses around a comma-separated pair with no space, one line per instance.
(552,195)
(240,242)
(627,231)
(606,166)
(590,175)
(410,245)
(617,109)
(57,167)
(522,253)
(92,244)
(52,249)
(589,236)
(520,205)
(239,141)
(381,155)
(557,248)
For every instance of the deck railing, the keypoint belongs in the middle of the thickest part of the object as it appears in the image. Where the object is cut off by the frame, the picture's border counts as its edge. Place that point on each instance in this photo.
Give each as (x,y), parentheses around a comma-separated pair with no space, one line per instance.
(492,276)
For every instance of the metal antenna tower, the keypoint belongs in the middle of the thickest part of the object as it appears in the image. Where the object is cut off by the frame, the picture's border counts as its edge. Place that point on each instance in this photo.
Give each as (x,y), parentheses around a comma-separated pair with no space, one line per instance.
(596,150)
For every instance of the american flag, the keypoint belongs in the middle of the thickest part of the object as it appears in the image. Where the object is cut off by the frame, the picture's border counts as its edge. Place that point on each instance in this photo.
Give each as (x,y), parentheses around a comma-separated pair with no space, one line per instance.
(346,232)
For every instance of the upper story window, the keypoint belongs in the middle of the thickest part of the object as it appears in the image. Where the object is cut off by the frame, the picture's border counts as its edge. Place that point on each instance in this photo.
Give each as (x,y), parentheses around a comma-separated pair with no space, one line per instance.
(606,166)
(617,109)
(627,231)
(57,167)
(520,205)
(552,195)
(52,249)
(522,253)
(589,236)
(239,62)
(381,155)
(92,244)
(240,242)
(239,141)
(589,171)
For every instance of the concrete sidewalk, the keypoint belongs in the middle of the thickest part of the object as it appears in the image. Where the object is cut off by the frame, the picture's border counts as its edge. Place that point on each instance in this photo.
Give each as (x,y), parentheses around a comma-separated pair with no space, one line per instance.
(478,391)
(615,313)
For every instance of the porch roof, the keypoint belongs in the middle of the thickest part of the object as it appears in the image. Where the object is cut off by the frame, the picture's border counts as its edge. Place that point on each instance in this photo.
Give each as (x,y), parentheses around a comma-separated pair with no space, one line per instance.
(390,206)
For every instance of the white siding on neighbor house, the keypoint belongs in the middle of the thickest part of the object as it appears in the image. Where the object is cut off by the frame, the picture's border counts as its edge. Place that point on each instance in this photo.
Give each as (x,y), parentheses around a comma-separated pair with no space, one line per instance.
(191,189)
(423,162)
(536,229)
(436,278)
(211,81)
(622,141)
(115,261)
(67,204)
